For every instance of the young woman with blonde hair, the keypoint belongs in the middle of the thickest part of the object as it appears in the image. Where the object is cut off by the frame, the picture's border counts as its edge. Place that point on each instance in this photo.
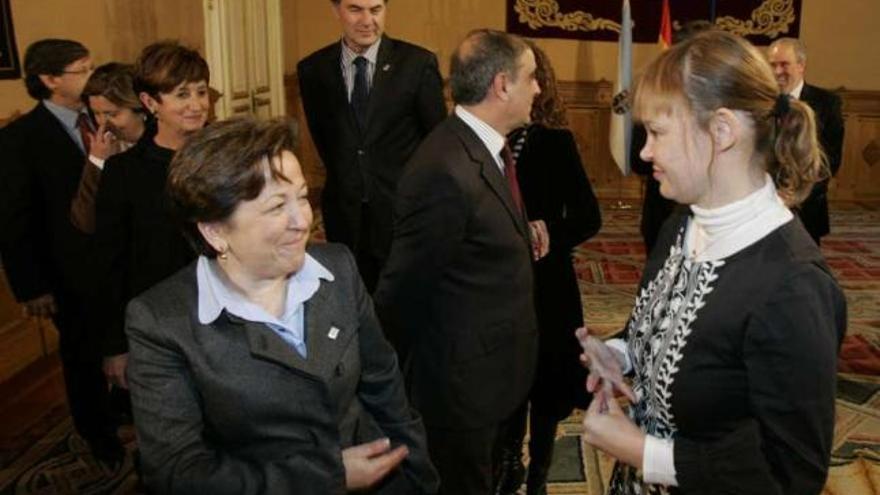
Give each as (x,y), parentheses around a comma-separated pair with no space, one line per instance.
(733,340)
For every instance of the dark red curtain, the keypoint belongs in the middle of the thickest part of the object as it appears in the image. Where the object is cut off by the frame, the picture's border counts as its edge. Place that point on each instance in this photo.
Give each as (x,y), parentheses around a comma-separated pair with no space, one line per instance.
(761,21)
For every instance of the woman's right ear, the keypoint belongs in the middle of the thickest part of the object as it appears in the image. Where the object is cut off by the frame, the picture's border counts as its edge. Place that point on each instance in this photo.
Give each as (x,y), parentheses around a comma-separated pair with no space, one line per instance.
(213,235)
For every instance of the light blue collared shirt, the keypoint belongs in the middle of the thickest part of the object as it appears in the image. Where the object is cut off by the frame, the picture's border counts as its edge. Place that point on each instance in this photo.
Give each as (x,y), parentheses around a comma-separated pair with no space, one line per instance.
(215,296)
(347,63)
(68,117)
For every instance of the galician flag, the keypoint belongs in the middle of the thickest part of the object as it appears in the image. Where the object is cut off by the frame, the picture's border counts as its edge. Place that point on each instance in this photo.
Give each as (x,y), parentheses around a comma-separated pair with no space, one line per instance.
(621,115)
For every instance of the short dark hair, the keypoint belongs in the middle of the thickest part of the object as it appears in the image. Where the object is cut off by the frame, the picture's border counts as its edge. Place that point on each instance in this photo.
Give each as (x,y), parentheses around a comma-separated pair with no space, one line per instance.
(49,57)
(478,59)
(162,66)
(336,2)
(115,82)
(219,167)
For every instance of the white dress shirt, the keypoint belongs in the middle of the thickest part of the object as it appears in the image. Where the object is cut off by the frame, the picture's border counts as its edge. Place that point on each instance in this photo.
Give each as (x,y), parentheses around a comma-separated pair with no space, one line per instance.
(493,140)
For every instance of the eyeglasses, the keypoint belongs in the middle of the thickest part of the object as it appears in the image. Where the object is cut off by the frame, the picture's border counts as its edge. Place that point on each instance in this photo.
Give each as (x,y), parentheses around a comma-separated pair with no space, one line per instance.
(79,72)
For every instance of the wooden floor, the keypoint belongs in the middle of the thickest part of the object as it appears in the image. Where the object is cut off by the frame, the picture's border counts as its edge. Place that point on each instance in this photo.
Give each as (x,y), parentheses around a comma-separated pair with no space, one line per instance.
(27,399)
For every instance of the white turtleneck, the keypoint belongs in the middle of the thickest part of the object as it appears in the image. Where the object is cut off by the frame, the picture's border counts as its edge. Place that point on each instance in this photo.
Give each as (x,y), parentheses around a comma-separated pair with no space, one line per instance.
(717,233)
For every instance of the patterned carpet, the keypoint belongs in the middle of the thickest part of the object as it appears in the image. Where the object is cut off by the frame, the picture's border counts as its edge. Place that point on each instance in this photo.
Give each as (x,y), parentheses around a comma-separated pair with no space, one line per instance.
(51,459)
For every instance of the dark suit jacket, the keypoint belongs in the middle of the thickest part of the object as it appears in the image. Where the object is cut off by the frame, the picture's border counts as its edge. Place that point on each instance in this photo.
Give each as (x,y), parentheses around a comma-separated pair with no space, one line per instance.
(41,168)
(42,251)
(829,119)
(406,102)
(138,242)
(229,407)
(456,293)
(556,189)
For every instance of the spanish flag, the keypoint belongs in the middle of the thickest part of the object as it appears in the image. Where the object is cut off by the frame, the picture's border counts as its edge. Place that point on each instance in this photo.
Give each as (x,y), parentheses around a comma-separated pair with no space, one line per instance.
(665,26)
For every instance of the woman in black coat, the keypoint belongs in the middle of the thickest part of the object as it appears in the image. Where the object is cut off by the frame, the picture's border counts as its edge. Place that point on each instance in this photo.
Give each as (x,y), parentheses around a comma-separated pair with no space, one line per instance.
(137,242)
(560,202)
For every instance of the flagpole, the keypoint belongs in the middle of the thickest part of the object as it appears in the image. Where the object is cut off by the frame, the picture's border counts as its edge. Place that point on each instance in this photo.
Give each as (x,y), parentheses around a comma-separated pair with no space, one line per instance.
(621,117)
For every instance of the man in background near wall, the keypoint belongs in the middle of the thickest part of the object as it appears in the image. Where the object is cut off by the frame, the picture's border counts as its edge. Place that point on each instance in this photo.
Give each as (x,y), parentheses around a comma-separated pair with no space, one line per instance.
(369,100)
(45,257)
(456,296)
(788,56)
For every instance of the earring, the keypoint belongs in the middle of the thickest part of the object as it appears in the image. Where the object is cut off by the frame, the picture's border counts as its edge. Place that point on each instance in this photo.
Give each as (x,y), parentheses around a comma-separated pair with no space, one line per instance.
(223,253)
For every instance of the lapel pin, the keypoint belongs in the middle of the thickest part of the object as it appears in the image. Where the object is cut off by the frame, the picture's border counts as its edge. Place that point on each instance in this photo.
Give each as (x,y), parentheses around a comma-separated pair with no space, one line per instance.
(334,332)
(386,67)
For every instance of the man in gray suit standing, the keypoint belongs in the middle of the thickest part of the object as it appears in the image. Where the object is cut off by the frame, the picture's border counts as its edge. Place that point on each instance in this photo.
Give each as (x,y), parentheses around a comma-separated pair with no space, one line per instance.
(455,297)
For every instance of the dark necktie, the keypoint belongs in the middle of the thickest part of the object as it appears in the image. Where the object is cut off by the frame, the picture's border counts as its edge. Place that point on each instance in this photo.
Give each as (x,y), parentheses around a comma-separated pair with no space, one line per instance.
(360,93)
(510,173)
(85,130)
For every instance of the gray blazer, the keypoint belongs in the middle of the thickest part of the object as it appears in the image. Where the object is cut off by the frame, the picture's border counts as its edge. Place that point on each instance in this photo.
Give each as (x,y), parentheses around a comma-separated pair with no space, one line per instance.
(229,407)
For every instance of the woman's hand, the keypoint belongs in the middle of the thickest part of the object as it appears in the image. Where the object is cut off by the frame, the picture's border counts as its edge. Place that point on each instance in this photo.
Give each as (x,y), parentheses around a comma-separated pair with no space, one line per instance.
(367,463)
(540,239)
(40,307)
(610,430)
(114,369)
(604,365)
(103,143)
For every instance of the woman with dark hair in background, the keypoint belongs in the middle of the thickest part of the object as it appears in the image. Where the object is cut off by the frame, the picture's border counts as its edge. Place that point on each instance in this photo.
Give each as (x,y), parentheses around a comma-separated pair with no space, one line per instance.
(121,120)
(561,207)
(733,340)
(137,242)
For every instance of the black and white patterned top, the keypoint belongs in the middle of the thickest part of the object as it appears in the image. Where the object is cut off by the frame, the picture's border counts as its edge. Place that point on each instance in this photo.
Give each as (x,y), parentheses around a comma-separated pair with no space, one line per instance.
(734,360)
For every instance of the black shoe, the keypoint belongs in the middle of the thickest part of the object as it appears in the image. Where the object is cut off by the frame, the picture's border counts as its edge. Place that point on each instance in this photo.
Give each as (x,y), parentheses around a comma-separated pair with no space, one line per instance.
(107,450)
(512,474)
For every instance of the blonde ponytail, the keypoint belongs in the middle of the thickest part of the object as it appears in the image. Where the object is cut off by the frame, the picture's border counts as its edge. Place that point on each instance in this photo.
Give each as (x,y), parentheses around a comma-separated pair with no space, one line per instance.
(797,162)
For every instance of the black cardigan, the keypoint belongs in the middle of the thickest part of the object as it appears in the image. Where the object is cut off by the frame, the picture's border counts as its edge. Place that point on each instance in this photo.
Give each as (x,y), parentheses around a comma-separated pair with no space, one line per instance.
(137,241)
(745,381)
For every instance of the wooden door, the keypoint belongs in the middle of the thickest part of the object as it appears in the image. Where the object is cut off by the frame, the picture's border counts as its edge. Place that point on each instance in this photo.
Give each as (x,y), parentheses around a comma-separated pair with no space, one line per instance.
(244,51)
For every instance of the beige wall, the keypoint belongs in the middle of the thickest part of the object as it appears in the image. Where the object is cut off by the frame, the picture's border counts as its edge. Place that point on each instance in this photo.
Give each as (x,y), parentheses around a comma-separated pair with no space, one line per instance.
(842,39)
(111,29)
(841,35)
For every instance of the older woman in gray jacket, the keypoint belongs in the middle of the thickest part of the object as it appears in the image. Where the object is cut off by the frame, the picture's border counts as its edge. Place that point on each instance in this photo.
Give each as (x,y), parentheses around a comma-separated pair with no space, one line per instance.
(261,367)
